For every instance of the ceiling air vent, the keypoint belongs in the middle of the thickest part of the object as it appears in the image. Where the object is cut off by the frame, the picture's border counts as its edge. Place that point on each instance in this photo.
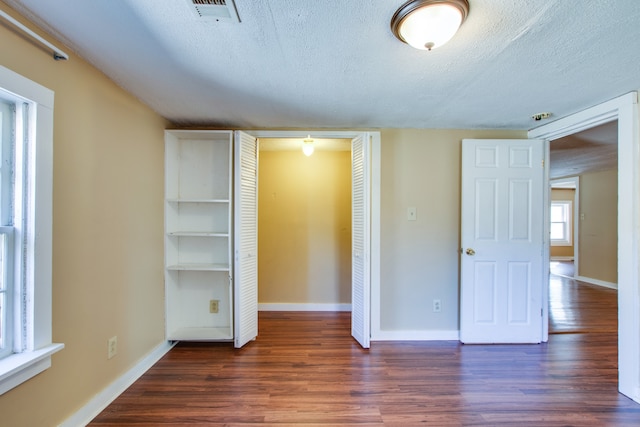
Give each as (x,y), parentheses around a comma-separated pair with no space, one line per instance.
(215,10)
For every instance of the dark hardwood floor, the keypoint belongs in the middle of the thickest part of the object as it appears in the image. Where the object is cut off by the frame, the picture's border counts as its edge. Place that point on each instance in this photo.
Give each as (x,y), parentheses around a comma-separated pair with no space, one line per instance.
(579,307)
(304,369)
(562,268)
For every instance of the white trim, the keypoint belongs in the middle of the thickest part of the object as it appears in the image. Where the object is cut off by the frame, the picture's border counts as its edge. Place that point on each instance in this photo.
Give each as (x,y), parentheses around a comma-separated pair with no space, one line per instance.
(597,282)
(546,246)
(628,251)
(303,307)
(96,405)
(376,143)
(376,156)
(561,258)
(591,117)
(38,230)
(625,110)
(382,335)
(331,134)
(25,88)
(19,367)
(569,183)
(576,225)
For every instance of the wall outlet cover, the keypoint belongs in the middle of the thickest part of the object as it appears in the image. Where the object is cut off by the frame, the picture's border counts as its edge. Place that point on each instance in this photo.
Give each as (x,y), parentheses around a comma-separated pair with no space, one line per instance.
(112,347)
(214,305)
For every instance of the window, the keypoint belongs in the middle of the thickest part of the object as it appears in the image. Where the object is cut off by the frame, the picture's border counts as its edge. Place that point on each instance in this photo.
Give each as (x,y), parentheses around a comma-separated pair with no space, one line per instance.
(561,230)
(26,166)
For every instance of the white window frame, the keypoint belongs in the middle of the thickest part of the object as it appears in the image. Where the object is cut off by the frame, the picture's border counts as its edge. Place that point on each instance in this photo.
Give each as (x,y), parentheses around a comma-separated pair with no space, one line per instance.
(7,199)
(34,347)
(568,208)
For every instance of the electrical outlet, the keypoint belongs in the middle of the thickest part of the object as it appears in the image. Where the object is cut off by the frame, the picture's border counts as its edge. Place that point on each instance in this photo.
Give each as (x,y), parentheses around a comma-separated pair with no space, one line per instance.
(112,347)
(213,305)
(437,307)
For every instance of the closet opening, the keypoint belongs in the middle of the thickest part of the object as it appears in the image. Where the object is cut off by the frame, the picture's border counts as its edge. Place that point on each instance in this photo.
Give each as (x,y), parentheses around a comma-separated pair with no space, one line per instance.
(304,225)
(364,155)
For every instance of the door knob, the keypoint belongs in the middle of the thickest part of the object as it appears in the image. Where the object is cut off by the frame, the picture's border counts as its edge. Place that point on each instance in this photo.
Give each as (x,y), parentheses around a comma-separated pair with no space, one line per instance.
(470,251)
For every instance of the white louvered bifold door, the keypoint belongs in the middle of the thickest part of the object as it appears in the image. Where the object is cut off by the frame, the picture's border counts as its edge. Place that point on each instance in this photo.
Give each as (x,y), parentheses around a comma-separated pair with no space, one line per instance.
(360,240)
(246,239)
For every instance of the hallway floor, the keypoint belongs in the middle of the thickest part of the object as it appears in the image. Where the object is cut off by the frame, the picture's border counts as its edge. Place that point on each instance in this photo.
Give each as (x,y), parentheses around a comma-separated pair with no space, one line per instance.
(579,307)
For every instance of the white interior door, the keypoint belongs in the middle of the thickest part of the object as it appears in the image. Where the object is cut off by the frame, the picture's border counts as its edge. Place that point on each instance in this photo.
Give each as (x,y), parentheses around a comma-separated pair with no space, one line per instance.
(502,241)
(360,240)
(245,239)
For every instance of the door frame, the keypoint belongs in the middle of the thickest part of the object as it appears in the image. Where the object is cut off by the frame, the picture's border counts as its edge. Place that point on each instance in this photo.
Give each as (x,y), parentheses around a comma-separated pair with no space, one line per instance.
(625,110)
(375,160)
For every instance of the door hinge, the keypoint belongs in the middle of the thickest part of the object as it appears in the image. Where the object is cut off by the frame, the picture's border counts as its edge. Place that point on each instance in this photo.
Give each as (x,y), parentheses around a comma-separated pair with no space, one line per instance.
(542,163)
(541,312)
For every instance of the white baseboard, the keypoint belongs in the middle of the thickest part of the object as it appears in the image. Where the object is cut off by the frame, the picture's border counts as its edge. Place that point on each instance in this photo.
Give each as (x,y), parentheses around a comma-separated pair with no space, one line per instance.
(303,307)
(96,405)
(561,258)
(597,282)
(416,336)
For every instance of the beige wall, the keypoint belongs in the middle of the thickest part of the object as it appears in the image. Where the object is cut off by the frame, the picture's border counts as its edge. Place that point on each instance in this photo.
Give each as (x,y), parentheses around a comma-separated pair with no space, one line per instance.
(304,227)
(107,265)
(107,233)
(598,243)
(564,194)
(420,259)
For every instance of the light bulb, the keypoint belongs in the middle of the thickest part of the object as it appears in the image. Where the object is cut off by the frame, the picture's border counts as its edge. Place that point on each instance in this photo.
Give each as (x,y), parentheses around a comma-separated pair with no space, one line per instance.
(307,146)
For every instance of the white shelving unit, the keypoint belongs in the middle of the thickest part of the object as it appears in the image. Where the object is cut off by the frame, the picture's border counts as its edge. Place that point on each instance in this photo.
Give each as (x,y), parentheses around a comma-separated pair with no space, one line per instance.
(198,235)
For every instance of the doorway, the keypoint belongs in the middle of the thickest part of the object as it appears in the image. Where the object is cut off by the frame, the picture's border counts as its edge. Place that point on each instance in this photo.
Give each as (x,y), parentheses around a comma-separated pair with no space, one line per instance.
(583,219)
(625,110)
(304,225)
(365,283)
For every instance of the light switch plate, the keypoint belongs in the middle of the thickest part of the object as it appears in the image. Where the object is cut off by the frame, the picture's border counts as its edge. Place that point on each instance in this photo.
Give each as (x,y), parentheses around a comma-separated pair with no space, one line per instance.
(411,214)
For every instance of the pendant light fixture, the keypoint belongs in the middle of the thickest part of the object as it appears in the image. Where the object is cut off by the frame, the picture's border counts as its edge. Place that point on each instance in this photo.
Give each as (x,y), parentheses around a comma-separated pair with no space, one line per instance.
(428,24)
(307,146)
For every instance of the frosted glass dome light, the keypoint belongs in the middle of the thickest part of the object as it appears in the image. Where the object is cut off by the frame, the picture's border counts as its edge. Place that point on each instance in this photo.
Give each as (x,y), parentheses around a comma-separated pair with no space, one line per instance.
(428,24)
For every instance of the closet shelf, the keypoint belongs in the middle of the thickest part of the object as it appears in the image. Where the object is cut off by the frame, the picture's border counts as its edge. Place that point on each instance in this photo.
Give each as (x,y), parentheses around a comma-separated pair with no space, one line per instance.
(198,267)
(201,334)
(197,234)
(198,200)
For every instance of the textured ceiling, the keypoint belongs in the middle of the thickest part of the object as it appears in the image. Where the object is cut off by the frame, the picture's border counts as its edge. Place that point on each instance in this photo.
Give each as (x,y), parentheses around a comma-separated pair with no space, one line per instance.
(335,64)
(592,150)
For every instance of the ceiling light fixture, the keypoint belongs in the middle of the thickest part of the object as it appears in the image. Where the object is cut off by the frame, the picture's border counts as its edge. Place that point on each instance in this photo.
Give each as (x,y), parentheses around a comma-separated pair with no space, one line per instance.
(428,24)
(307,146)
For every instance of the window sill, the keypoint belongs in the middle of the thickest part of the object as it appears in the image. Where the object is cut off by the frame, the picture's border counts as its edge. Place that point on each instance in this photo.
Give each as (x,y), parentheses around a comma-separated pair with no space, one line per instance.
(18,368)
